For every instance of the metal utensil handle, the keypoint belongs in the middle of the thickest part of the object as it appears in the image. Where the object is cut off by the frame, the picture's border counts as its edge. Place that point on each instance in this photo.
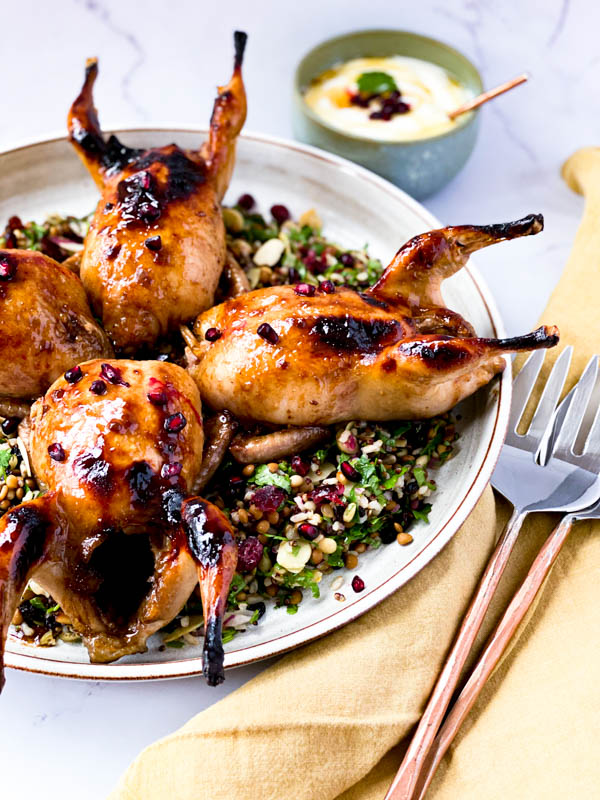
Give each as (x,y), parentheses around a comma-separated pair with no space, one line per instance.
(408,774)
(497,644)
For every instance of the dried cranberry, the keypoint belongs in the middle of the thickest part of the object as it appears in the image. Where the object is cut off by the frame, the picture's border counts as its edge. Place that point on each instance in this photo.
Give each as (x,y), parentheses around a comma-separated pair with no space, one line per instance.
(157,397)
(308,531)
(305,289)
(15,224)
(8,267)
(98,387)
(266,332)
(212,334)
(153,243)
(349,471)
(249,554)
(268,498)
(299,466)
(10,425)
(175,423)
(56,452)
(171,470)
(112,375)
(402,108)
(280,213)
(246,201)
(358,584)
(328,494)
(327,287)
(347,260)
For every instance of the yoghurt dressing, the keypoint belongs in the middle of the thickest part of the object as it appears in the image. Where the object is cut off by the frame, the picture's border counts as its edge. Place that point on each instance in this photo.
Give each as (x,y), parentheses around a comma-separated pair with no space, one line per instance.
(427,88)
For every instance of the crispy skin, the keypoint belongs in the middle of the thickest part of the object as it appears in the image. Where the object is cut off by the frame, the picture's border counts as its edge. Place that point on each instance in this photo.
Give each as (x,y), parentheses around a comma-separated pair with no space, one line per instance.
(46,325)
(144,290)
(389,353)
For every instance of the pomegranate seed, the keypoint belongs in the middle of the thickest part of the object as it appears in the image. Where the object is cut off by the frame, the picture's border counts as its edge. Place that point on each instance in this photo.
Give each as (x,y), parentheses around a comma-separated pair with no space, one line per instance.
(175,423)
(73,375)
(153,243)
(327,287)
(212,334)
(299,466)
(10,425)
(266,332)
(349,472)
(157,397)
(358,584)
(249,554)
(56,452)
(308,531)
(347,260)
(305,289)
(15,224)
(171,470)
(293,274)
(8,268)
(246,201)
(112,375)
(98,387)
(280,214)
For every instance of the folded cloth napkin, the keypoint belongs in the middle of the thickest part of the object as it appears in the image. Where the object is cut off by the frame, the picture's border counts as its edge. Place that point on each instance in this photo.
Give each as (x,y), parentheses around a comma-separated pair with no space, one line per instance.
(328,721)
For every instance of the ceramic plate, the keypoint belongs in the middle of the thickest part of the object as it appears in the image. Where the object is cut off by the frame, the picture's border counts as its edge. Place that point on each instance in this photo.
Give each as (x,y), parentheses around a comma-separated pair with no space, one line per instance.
(356,207)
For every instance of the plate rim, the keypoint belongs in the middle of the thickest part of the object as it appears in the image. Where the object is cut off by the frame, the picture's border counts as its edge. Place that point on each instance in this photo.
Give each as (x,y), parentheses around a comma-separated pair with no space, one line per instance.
(188,667)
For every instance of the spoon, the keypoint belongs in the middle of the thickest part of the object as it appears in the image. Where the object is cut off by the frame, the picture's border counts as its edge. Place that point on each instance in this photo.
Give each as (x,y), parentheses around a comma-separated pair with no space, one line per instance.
(482,98)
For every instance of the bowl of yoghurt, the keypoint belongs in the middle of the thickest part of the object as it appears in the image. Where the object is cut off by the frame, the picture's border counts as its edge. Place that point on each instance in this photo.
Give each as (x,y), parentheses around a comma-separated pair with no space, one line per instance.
(382,98)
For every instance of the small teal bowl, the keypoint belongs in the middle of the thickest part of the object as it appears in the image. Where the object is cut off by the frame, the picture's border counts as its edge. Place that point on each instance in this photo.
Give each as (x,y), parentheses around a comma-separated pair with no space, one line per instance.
(420,166)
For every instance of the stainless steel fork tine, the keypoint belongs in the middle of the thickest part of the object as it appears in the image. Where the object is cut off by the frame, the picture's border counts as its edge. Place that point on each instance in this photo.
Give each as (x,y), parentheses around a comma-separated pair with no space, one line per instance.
(581,396)
(523,384)
(550,396)
(591,450)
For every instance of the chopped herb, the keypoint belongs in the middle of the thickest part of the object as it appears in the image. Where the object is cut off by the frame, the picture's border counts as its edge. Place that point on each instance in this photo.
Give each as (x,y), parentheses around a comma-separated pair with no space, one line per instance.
(264,477)
(376,83)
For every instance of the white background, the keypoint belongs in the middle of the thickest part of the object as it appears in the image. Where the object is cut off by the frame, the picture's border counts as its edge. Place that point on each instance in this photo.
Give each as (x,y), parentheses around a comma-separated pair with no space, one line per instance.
(160,62)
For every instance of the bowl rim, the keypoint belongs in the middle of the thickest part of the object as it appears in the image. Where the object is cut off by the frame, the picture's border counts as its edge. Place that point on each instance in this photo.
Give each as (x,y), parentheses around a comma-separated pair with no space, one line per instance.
(34,661)
(469,118)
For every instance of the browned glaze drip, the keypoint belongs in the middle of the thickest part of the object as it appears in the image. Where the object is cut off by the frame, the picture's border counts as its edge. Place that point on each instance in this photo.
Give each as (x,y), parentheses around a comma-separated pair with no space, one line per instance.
(142,198)
(23,540)
(355,335)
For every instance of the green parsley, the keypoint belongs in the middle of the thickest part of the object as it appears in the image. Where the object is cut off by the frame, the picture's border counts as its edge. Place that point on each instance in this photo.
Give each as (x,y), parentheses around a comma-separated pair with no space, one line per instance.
(264,477)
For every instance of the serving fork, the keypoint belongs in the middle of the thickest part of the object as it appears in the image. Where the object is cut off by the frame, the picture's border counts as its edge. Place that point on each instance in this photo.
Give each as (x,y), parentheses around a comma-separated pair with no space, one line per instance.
(566,482)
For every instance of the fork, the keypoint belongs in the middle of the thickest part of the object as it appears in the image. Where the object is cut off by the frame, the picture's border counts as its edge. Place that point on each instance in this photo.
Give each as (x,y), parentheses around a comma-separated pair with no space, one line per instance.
(566,482)
(501,638)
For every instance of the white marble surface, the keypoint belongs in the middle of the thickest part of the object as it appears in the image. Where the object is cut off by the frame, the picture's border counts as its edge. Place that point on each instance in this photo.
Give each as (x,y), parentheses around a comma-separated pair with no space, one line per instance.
(160,63)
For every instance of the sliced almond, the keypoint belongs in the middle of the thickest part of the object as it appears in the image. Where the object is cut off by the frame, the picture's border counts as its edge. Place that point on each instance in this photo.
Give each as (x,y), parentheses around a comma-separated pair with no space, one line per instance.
(269,253)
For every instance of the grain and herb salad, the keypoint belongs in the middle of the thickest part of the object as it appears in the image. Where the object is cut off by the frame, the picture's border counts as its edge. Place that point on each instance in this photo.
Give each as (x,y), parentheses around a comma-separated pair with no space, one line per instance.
(298,520)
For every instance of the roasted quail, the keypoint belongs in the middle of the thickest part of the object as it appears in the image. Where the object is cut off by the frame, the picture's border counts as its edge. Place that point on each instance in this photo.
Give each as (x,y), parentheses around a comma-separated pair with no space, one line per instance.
(156,245)
(46,326)
(304,356)
(117,539)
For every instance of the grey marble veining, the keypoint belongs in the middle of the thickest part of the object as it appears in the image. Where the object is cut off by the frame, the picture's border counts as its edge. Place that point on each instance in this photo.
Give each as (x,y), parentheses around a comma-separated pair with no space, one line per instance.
(160,62)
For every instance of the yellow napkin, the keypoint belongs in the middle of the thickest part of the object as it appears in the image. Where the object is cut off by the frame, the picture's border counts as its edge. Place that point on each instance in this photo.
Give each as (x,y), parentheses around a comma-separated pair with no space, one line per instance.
(328,721)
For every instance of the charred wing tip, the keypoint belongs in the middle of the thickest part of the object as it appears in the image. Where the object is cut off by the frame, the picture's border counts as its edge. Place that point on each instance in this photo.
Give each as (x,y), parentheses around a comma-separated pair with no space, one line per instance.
(239,42)
(526,226)
(91,68)
(534,223)
(544,337)
(213,656)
